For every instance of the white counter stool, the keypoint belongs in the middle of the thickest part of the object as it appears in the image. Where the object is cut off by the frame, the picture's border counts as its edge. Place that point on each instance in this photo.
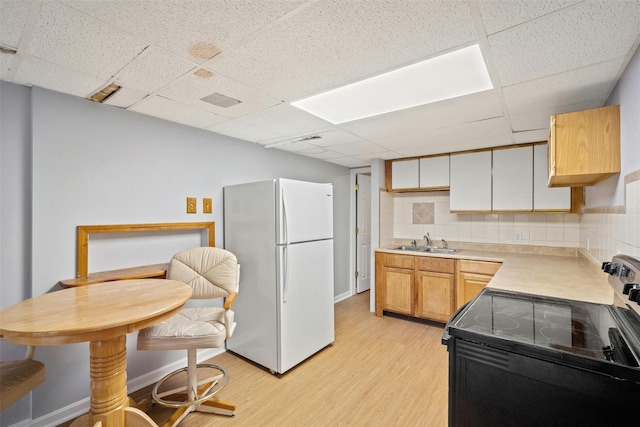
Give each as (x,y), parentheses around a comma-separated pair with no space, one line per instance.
(212,273)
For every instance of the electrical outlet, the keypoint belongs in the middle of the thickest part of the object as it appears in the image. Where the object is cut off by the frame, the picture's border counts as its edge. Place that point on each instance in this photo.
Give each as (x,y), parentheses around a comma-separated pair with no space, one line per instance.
(517,236)
(191,205)
(207,205)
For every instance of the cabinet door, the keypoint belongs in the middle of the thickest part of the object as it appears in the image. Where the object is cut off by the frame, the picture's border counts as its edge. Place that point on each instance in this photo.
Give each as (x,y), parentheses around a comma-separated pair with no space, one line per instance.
(404,174)
(545,198)
(434,172)
(435,296)
(513,179)
(469,285)
(470,186)
(398,290)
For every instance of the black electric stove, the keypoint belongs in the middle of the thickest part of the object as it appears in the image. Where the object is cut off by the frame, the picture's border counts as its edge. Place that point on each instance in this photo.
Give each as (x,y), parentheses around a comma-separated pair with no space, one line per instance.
(527,360)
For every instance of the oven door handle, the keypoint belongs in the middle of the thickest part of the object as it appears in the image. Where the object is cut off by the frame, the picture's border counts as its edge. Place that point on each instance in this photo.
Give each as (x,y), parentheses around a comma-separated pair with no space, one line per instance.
(445,335)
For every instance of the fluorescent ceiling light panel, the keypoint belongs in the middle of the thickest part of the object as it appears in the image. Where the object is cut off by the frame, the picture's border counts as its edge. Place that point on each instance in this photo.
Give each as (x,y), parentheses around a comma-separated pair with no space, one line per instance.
(458,73)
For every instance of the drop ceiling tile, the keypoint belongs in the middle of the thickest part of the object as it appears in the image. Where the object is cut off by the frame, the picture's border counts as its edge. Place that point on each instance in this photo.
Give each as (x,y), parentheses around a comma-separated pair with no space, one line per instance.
(357,149)
(575,37)
(185,26)
(236,128)
(498,15)
(336,137)
(536,135)
(452,146)
(6,62)
(69,38)
(381,35)
(201,83)
(384,155)
(167,109)
(350,162)
(423,119)
(37,72)
(125,97)
(295,147)
(571,87)
(319,153)
(153,69)
(539,118)
(284,119)
(13,17)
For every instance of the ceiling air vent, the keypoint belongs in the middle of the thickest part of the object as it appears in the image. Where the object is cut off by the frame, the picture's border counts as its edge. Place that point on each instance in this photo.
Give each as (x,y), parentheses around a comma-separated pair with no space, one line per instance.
(103,94)
(219,100)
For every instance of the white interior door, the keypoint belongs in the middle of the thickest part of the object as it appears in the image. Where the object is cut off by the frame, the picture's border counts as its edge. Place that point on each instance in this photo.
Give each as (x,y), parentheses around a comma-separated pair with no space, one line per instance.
(363,238)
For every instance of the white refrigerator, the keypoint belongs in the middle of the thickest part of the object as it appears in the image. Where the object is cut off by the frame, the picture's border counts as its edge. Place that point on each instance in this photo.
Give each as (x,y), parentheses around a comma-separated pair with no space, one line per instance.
(281,231)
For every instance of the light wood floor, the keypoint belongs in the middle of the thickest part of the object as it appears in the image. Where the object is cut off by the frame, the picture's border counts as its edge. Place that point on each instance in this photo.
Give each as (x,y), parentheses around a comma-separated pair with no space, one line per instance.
(379,372)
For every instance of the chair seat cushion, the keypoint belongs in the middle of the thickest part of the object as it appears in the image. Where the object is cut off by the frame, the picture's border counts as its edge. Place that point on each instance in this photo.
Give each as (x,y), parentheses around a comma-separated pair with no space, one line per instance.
(196,327)
(18,377)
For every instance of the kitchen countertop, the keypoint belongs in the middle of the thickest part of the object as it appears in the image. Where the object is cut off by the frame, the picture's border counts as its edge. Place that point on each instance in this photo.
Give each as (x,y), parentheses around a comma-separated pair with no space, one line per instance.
(548,275)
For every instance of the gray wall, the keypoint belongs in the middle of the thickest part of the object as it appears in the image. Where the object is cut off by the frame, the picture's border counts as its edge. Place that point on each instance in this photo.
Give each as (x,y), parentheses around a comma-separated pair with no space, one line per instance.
(15,217)
(610,192)
(96,164)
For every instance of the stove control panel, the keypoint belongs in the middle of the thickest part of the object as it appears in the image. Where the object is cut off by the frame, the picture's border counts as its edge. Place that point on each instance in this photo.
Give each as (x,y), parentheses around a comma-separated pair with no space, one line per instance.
(624,278)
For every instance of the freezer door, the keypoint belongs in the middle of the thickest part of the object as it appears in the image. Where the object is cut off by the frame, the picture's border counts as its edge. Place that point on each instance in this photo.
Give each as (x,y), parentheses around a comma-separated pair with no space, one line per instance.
(306,318)
(305,211)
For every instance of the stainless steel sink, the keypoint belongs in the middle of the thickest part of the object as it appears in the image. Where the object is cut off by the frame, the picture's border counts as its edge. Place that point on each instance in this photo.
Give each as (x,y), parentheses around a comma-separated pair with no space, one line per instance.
(430,249)
(411,248)
(433,250)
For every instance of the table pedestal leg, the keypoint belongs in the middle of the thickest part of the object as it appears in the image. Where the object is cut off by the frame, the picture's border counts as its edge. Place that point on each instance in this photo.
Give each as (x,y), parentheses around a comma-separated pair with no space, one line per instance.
(108,361)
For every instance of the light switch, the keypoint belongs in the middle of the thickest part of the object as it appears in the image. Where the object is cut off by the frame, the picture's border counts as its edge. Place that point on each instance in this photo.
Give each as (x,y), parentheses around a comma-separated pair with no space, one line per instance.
(207,205)
(191,205)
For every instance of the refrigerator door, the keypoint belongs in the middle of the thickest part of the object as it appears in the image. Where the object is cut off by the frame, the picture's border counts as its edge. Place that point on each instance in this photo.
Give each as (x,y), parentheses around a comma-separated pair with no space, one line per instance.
(304,210)
(305,285)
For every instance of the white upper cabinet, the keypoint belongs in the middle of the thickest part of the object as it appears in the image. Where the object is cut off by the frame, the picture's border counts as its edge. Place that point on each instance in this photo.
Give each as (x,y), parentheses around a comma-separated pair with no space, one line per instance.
(545,198)
(434,172)
(404,174)
(513,179)
(470,182)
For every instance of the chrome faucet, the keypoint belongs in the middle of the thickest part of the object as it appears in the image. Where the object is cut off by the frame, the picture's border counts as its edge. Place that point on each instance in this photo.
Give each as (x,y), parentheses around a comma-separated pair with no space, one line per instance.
(444,244)
(413,243)
(428,239)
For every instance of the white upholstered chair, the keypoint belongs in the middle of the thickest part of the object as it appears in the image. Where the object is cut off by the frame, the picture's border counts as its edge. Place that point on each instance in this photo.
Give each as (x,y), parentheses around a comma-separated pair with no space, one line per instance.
(212,273)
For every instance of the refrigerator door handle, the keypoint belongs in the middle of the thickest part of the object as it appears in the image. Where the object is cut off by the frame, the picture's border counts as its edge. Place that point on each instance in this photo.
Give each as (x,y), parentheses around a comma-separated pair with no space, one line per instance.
(285,262)
(285,231)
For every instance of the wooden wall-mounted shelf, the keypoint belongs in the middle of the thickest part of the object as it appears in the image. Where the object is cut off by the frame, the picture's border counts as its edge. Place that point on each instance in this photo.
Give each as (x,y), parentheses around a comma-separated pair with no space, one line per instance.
(140,272)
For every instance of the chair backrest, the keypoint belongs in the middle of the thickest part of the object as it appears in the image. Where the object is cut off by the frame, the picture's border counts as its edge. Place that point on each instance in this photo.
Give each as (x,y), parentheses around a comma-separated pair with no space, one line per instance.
(211,272)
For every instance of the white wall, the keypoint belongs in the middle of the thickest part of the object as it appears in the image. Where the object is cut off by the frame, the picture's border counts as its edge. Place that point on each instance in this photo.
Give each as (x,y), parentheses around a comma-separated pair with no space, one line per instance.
(96,164)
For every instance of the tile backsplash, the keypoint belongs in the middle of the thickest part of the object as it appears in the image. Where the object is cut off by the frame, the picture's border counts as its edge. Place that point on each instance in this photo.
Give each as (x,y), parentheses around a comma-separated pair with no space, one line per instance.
(397,219)
(598,232)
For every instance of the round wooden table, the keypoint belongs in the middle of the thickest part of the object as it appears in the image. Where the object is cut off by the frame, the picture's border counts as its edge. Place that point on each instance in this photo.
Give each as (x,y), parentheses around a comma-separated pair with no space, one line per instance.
(103,314)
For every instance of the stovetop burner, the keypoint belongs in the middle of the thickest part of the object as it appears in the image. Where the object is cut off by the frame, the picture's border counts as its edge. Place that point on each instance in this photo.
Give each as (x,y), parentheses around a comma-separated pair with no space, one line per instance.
(579,328)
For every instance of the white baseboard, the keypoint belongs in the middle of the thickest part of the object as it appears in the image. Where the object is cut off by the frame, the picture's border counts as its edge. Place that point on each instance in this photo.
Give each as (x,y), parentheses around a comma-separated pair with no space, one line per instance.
(23,423)
(81,407)
(341,297)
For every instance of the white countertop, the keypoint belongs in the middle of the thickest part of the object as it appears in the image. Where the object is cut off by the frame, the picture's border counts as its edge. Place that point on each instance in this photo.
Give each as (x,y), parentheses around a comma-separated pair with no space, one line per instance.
(548,275)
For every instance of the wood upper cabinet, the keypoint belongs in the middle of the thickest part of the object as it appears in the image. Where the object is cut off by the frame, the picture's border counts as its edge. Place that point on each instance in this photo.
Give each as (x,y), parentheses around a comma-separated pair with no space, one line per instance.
(473,276)
(405,174)
(512,181)
(470,182)
(547,199)
(584,147)
(435,286)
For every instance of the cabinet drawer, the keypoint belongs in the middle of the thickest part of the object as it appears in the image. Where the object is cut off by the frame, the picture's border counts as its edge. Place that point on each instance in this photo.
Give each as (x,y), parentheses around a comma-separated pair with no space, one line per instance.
(481,267)
(440,265)
(398,261)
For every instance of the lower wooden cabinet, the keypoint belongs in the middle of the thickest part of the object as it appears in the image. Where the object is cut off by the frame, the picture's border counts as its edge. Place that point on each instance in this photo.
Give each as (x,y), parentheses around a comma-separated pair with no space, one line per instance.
(473,276)
(416,286)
